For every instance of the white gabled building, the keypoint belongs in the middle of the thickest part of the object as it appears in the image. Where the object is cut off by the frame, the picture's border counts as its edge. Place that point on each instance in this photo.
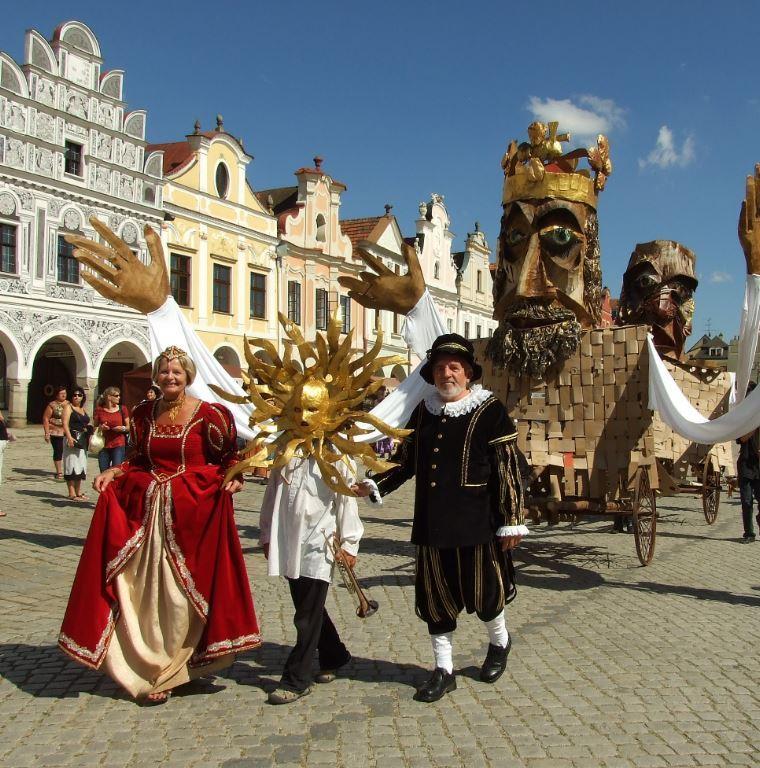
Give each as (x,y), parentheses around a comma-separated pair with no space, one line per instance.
(69,150)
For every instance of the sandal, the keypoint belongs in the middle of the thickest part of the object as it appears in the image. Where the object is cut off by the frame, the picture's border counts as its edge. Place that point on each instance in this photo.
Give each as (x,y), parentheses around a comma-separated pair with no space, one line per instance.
(59,476)
(82,497)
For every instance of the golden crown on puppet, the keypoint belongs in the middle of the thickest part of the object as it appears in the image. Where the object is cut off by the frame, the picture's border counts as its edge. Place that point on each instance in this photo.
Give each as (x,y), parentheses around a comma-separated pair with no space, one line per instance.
(311,408)
(539,169)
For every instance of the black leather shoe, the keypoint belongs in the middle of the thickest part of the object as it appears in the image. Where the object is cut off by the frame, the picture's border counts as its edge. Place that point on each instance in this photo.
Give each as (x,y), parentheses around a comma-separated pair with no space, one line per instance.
(436,687)
(496,662)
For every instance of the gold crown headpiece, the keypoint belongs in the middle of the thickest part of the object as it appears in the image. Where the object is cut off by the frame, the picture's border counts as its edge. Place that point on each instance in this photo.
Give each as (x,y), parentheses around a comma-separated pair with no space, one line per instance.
(539,168)
(172,352)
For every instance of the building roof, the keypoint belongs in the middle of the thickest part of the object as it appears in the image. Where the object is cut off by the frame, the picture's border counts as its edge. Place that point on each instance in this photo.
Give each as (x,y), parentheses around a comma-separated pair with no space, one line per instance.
(359,229)
(283,198)
(177,155)
(707,342)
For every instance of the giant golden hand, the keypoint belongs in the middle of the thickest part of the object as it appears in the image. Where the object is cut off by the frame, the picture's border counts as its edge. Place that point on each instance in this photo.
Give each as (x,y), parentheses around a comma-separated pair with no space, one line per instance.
(383,288)
(116,273)
(749,224)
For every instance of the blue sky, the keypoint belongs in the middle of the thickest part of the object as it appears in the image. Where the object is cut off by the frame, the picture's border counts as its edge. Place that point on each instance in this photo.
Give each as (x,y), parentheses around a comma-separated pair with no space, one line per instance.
(407,98)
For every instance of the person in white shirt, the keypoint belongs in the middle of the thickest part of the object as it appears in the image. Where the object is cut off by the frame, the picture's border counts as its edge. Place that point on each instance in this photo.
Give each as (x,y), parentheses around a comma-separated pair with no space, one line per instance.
(298,514)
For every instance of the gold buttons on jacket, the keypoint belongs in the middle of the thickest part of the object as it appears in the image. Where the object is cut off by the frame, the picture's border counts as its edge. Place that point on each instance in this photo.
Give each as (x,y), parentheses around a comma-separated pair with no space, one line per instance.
(443,420)
(435,450)
(432,485)
(433,466)
(439,435)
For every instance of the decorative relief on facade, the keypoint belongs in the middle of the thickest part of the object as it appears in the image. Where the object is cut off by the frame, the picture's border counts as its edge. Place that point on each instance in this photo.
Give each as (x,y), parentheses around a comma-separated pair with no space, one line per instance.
(114,221)
(103,144)
(102,180)
(127,188)
(54,208)
(111,87)
(46,127)
(45,91)
(76,103)
(128,155)
(15,153)
(27,201)
(15,117)
(77,38)
(14,286)
(105,114)
(79,71)
(76,130)
(7,204)
(45,162)
(134,125)
(72,220)
(129,233)
(79,295)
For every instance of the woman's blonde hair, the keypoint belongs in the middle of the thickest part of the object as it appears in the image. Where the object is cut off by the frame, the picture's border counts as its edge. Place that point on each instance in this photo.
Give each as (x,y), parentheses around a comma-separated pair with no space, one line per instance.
(175,353)
(105,393)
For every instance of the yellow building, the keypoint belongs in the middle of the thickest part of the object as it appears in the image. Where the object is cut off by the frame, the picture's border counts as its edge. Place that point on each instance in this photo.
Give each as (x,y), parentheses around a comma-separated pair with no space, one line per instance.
(220,240)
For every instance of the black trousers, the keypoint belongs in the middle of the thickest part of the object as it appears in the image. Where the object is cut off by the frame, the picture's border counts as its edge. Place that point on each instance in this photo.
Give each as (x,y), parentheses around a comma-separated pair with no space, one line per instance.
(314,632)
(749,491)
(478,579)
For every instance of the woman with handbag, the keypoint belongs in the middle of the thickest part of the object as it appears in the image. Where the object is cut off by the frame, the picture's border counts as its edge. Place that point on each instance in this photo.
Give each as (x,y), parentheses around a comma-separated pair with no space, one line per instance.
(52,423)
(76,429)
(112,419)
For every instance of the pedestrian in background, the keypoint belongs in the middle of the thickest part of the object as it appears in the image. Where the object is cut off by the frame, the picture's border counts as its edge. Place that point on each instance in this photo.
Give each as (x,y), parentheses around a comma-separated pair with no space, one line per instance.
(4,437)
(748,472)
(52,423)
(76,428)
(152,393)
(113,419)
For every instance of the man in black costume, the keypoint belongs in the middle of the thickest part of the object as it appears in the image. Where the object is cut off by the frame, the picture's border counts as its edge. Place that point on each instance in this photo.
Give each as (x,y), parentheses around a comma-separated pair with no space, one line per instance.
(468,511)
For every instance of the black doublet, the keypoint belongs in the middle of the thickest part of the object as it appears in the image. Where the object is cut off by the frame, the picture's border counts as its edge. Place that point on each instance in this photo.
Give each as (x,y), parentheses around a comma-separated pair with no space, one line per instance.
(467,476)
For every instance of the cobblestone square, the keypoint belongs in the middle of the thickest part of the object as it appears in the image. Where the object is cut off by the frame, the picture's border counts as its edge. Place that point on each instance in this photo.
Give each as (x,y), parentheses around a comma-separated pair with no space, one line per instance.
(613,665)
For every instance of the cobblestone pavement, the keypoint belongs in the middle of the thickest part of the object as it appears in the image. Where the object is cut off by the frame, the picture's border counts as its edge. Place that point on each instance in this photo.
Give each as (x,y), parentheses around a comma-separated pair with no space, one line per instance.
(612,665)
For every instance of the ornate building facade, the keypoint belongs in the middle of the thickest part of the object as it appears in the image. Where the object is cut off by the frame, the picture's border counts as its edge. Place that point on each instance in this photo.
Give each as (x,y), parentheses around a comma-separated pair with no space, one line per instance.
(220,242)
(69,150)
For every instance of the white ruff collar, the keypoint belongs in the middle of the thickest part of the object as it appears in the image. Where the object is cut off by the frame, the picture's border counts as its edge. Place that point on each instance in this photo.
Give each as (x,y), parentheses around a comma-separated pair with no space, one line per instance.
(477,397)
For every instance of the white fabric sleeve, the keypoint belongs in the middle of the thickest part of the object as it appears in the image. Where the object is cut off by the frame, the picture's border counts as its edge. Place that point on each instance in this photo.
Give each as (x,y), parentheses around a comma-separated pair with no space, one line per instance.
(512,530)
(374,495)
(423,326)
(168,326)
(748,330)
(676,411)
(349,523)
(267,508)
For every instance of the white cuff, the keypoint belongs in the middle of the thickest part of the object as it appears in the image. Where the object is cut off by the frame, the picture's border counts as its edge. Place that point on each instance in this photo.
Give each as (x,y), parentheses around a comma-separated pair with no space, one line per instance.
(351,548)
(512,530)
(374,494)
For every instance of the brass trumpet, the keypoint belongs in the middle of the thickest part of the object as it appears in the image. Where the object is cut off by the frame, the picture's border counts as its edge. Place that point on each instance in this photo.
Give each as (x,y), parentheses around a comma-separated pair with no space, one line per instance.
(365,606)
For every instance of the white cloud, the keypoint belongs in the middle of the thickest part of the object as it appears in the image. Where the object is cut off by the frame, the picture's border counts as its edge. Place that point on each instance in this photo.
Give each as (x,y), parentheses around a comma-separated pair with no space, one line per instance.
(666,154)
(585,118)
(721,277)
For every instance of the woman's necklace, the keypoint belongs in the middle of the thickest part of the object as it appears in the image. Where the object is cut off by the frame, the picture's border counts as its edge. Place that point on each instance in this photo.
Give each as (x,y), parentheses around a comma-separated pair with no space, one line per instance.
(174,407)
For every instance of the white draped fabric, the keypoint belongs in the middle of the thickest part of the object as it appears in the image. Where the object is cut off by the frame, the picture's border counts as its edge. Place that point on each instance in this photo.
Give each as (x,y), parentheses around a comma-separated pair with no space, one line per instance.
(748,330)
(168,326)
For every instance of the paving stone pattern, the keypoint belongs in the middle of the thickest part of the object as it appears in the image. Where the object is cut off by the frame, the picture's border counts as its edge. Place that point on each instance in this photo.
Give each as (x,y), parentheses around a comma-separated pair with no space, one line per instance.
(613,665)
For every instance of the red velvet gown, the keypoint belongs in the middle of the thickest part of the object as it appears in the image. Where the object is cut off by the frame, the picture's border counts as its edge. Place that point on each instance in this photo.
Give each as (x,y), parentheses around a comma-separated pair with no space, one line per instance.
(161,594)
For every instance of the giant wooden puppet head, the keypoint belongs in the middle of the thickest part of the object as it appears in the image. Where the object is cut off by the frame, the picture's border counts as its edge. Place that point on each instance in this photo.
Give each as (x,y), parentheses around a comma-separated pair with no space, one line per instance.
(658,289)
(548,281)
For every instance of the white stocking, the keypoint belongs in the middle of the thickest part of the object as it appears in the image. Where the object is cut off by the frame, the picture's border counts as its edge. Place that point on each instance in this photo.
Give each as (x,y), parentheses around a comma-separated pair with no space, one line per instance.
(497,631)
(442,651)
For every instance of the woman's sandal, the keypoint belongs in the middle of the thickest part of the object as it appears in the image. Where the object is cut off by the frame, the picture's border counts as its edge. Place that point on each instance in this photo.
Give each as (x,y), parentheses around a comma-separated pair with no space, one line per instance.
(59,476)
(82,497)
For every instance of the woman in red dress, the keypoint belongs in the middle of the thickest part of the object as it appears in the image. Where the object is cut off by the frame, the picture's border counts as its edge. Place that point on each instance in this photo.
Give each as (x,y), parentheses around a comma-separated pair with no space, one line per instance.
(161,594)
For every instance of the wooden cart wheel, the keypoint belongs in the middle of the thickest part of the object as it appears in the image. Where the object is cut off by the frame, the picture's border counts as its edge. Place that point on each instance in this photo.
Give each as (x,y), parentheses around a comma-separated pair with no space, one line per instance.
(710,490)
(644,517)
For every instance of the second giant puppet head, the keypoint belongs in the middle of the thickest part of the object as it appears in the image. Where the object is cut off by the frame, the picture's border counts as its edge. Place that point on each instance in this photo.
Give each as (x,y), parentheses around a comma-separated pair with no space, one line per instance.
(658,289)
(548,281)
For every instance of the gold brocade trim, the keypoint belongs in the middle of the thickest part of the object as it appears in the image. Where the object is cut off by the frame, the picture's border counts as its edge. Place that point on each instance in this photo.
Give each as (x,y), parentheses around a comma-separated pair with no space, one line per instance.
(223,647)
(222,417)
(434,615)
(499,577)
(212,428)
(177,559)
(133,544)
(565,186)
(443,589)
(468,441)
(459,576)
(478,562)
(92,659)
(503,439)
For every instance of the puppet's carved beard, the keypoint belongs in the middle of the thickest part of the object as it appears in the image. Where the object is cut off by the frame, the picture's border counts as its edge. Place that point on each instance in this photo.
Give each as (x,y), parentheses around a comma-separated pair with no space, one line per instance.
(533,350)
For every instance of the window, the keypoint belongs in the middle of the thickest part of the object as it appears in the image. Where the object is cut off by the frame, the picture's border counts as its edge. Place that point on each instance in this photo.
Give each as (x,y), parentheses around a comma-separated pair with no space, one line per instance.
(480,282)
(320,235)
(222,180)
(321,309)
(179,278)
(73,158)
(68,266)
(294,301)
(222,288)
(477,331)
(467,330)
(345,311)
(450,325)
(258,295)
(8,248)
(436,271)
